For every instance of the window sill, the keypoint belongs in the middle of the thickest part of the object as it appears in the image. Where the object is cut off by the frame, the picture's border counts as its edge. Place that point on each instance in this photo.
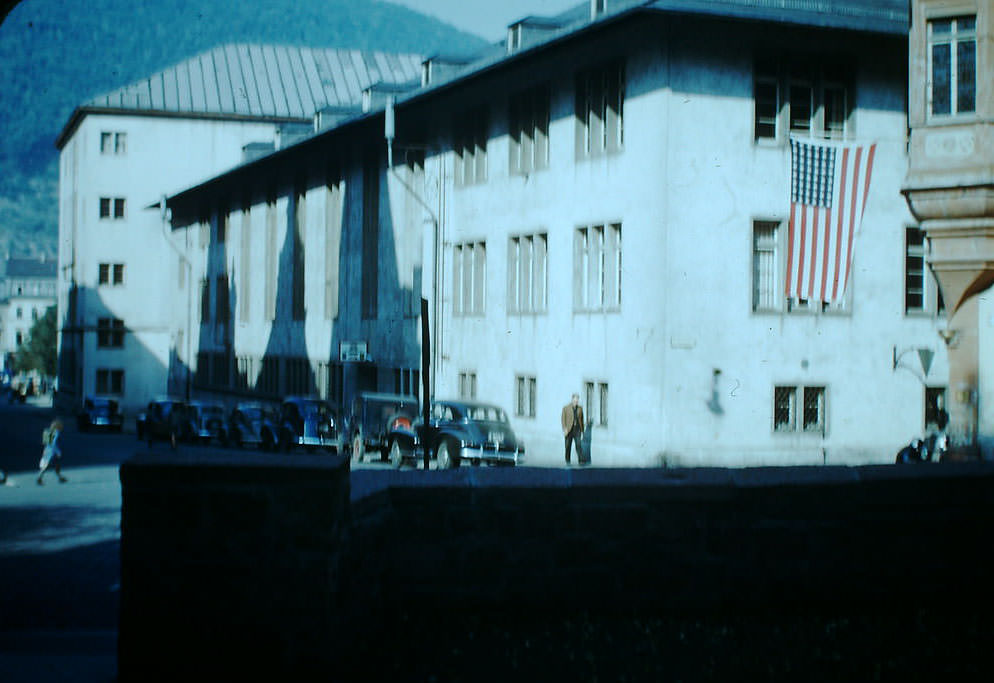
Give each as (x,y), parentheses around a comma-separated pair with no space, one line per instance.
(596,311)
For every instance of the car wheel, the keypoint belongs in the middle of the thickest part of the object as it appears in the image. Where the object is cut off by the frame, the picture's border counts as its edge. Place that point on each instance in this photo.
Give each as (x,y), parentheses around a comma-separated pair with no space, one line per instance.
(396,455)
(446,460)
(358,452)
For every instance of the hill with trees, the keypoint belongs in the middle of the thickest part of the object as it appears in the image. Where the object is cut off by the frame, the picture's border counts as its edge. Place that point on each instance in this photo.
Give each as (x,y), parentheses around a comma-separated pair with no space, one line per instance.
(57,54)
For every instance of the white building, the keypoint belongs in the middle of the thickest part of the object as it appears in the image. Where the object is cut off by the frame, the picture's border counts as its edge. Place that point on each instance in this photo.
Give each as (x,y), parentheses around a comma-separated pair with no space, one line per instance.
(601,206)
(27,291)
(122,151)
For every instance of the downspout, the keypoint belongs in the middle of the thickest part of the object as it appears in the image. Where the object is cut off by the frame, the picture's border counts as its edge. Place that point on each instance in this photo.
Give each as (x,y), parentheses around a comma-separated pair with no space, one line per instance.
(166,214)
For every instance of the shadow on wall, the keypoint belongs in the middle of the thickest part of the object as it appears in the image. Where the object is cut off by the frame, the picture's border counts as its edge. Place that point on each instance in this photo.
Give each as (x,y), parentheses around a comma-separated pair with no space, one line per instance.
(101,355)
(364,288)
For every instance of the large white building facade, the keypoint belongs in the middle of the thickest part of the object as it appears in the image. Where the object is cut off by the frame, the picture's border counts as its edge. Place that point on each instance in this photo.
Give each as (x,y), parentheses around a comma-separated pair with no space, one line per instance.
(121,152)
(601,206)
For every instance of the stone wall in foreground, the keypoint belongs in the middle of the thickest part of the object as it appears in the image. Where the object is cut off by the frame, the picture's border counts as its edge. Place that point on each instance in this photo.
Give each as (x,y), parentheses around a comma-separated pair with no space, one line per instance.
(268,565)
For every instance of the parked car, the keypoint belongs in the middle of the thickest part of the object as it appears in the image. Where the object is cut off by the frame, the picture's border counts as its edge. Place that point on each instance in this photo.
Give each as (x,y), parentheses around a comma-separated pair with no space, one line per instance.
(374,417)
(163,419)
(99,412)
(311,423)
(253,424)
(459,431)
(204,422)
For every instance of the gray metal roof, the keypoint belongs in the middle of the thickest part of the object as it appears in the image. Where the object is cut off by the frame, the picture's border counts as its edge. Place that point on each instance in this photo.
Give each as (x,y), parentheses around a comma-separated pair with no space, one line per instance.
(262,80)
(876,16)
(27,267)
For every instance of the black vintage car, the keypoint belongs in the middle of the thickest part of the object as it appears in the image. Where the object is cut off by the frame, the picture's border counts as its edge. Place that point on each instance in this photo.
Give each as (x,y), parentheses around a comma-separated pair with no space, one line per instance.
(253,424)
(204,422)
(459,431)
(374,417)
(163,420)
(99,412)
(311,423)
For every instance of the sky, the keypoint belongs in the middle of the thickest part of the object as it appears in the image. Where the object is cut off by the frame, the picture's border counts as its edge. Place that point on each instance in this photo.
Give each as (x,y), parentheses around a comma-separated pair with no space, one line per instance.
(486,18)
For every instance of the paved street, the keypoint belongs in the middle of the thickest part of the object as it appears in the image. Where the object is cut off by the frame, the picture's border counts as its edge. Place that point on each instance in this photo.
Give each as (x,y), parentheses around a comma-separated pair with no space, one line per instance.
(59,550)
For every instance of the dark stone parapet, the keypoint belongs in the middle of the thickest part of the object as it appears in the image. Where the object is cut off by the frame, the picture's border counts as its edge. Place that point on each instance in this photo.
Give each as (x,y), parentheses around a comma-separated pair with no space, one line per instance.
(295,566)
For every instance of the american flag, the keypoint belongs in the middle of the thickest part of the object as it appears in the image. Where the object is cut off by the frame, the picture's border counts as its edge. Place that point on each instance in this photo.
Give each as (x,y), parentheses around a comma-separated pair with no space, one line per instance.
(828,188)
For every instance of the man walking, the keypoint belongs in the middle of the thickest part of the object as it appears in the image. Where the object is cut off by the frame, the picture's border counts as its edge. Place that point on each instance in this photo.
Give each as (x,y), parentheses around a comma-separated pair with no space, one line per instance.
(573,428)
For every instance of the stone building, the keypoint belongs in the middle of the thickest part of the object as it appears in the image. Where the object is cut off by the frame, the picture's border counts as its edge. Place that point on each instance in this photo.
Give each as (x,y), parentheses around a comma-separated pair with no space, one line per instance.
(122,151)
(27,291)
(950,189)
(602,204)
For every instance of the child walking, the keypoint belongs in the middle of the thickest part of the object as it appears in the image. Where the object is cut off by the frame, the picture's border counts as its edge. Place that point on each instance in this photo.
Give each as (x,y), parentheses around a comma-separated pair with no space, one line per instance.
(52,452)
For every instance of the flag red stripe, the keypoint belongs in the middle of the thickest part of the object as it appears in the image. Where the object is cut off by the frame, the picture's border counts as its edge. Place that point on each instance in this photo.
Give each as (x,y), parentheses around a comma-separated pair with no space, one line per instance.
(814,251)
(838,230)
(790,249)
(800,255)
(869,169)
(852,211)
(824,254)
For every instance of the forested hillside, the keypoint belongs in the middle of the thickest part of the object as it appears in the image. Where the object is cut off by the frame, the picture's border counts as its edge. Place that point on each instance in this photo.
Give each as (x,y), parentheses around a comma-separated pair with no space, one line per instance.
(56,54)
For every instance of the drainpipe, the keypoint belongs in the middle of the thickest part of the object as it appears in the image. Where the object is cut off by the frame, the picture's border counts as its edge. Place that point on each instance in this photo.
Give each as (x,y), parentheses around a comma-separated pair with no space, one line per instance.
(166,215)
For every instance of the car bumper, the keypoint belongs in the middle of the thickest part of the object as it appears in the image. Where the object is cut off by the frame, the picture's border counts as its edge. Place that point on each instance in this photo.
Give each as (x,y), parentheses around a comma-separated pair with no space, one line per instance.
(491,455)
(317,441)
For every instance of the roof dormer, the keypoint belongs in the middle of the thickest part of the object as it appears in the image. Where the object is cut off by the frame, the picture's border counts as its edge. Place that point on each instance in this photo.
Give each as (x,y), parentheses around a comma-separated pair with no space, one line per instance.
(529,31)
(438,68)
(597,8)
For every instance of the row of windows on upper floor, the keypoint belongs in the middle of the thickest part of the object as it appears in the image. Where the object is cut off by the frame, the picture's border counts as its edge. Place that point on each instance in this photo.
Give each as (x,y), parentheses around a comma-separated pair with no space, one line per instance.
(597,277)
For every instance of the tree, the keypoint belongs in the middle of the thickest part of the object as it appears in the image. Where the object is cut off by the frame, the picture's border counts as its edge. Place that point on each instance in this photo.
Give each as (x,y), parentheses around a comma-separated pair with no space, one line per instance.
(38,352)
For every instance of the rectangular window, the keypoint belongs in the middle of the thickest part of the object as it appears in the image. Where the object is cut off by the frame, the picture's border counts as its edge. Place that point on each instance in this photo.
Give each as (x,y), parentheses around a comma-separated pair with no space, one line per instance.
(112,208)
(766,93)
(597,268)
(596,397)
(914,270)
(469,262)
(814,409)
(765,267)
(205,300)
(272,259)
(527,269)
(110,333)
(952,65)
(370,236)
(110,381)
(528,120)
(470,147)
(405,381)
(113,143)
(935,405)
(110,274)
(244,291)
(600,101)
(332,236)
(812,412)
(467,385)
(785,409)
(813,100)
(299,232)
(526,390)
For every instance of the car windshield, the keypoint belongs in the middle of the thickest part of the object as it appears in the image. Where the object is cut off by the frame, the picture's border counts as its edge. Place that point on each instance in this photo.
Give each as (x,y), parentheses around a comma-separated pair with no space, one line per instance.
(486,414)
(315,409)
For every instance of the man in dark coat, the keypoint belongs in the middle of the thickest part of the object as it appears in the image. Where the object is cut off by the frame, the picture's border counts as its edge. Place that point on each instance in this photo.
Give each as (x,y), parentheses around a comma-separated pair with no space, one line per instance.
(573,428)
